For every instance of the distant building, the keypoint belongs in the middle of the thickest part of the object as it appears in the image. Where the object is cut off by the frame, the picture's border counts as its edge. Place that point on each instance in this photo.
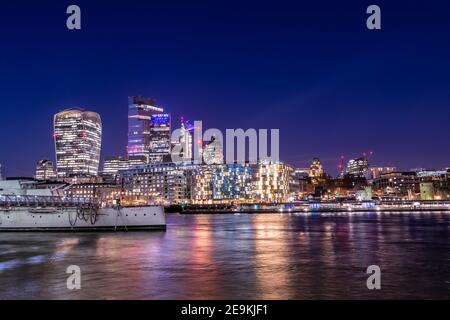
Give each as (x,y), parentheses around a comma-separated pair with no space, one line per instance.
(45,170)
(164,183)
(430,173)
(202,184)
(222,183)
(80,179)
(377,171)
(148,130)
(302,172)
(434,184)
(185,141)
(113,165)
(171,183)
(243,183)
(275,182)
(78,136)
(213,152)
(103,193)
(401,184)
(160,132)
(364,194)
(435,190)
(305,185)
(357,167)
(316,169)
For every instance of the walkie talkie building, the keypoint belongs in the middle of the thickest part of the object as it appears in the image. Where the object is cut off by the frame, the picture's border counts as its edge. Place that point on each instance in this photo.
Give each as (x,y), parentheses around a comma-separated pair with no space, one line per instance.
(78,136)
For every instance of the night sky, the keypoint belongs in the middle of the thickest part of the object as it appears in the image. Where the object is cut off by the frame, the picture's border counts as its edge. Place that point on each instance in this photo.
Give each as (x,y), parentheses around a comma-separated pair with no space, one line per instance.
(314,71)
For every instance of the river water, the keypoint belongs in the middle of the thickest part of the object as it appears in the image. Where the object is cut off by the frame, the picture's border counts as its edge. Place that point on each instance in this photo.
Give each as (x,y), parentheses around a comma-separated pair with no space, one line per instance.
(246,256)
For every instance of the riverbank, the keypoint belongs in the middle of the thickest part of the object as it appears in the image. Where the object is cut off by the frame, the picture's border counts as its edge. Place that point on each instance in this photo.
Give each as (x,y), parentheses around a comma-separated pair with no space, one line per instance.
(315,207)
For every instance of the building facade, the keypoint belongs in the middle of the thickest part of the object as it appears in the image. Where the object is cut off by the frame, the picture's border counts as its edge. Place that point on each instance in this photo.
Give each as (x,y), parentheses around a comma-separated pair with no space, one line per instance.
(357,167)
(101,193)
(78,136)
(243,183)
(140,112)
(275,183)
(113,165)
(45,170)
(149,130)
(162,183)
(377,171)
(434,184)
(170,183)
(316,169)
(217,183)
(404,185)
(160,132)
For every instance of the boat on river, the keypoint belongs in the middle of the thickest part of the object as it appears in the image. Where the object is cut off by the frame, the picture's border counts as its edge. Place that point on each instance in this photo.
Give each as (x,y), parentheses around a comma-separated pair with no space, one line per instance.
(25,207)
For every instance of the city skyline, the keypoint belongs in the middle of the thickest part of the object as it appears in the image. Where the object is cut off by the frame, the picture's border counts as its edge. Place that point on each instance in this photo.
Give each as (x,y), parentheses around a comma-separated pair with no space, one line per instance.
(228,158)
(329,85)
(339,163)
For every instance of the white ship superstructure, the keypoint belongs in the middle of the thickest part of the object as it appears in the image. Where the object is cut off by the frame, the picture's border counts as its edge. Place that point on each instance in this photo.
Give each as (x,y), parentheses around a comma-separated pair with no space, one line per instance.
(24,207)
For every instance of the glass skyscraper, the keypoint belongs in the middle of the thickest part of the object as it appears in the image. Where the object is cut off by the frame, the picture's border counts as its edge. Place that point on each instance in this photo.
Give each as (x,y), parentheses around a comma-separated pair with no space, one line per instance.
(78,136)
(159,137)
(148,130)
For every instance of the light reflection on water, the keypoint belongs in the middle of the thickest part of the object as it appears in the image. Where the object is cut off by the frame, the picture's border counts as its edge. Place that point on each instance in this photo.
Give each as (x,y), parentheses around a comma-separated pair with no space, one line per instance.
(259,256)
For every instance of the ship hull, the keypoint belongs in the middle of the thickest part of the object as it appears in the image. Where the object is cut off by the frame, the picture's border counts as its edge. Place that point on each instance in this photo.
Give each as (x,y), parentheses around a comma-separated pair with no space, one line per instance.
(70,219)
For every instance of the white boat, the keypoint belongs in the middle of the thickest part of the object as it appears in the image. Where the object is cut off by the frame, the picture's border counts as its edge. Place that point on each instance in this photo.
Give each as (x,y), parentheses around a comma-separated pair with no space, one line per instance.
(23,207)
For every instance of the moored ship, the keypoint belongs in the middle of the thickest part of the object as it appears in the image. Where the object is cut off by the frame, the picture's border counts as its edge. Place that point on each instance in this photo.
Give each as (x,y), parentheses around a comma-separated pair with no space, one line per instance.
(23,207)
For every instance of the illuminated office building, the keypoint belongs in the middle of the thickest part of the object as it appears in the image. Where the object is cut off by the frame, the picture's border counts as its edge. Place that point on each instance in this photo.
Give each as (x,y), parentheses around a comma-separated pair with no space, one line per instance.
(45,170)
(357,167)
(113,165)
(78,136)
(148,130)
(159,138)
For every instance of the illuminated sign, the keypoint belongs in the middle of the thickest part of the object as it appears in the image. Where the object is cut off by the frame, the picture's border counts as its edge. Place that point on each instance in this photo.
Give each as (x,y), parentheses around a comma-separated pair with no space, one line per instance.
(160,120)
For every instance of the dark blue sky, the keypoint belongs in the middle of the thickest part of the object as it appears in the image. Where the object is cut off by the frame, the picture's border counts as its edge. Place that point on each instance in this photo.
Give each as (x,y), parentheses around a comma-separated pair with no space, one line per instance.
(313,70)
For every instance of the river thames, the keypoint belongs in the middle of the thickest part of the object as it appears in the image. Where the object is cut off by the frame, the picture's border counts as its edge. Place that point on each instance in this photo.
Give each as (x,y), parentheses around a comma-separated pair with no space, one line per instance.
(245,256)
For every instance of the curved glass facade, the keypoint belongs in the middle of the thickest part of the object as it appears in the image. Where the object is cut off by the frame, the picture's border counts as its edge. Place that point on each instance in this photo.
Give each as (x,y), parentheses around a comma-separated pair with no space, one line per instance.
(78,136)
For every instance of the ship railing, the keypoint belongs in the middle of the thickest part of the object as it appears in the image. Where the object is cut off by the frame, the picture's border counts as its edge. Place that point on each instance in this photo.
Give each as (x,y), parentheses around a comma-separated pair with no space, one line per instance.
(43,201)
